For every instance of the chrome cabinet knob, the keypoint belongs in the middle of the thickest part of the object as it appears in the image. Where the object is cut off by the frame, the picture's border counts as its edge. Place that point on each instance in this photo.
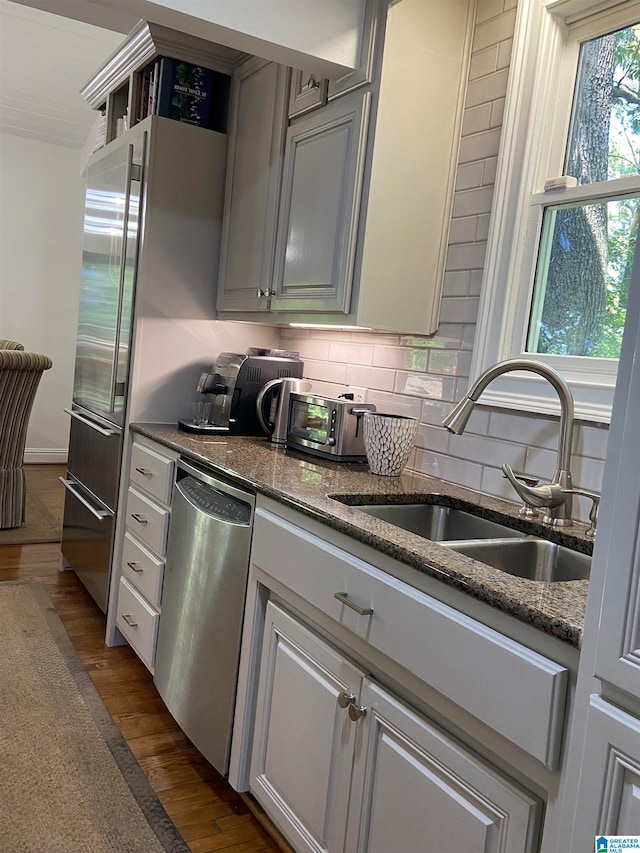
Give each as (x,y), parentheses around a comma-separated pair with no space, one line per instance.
(264,291)
(346,699)
(357,712)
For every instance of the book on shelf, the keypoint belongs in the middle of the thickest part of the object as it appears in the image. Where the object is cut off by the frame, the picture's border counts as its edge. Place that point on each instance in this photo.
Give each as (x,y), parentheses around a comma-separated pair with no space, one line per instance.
(190,93)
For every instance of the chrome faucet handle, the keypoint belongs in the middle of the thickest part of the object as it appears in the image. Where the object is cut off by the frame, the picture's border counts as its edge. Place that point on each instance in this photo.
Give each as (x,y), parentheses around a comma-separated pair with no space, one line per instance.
(526,510)
(593,515)
(548,495)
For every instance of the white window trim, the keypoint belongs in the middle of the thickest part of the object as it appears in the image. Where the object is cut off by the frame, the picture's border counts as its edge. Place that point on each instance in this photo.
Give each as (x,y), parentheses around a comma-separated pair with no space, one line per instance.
(535,99)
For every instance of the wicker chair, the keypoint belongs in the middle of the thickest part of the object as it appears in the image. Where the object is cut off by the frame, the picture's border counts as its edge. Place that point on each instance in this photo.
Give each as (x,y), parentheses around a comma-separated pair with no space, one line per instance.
(5,344)
(20,374)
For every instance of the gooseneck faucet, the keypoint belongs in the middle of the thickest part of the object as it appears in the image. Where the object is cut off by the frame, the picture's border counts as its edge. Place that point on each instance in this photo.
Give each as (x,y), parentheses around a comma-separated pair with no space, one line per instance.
(557,495)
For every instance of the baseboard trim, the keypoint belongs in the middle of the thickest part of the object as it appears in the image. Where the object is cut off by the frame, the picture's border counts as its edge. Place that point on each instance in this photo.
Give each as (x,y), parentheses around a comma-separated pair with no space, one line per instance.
(45,456)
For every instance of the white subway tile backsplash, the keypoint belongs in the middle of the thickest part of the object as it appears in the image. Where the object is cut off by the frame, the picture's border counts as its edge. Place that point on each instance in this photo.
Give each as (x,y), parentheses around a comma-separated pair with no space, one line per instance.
(489,451)
(488,88)
(457,282)
(469,175)
(426,462)
(455,470)
(463,230)
(476,119)
(402,358)
(483,62)
(530,429)
(459,309)
(371,377)
(449,362)
(497,113)
(465,256)
(504,53)
(489,168)
(487,9)
(482,227)
(475,282)
(351,353)
(425,385)
(472,202)
(310,348)
(591,440)
(494,31)
(434,411)
(432,438)
(478,146)
(327,371)
(395,404)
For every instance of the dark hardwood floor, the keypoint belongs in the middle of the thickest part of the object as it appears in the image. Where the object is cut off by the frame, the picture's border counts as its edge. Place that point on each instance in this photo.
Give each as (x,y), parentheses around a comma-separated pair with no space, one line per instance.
(209,814)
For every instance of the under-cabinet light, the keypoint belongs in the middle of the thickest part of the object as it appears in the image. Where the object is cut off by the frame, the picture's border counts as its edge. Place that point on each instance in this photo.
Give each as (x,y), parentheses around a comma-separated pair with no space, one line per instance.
(329,326)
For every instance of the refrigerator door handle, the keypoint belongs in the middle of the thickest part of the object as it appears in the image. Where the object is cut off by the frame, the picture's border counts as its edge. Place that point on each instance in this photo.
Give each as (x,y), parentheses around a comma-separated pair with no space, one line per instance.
(92,424)
(100,514)
(133,174)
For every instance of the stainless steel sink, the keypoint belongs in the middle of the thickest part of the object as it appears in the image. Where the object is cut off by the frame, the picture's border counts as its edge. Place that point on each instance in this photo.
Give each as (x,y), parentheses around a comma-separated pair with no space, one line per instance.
(530,558)
(490,542)
(439,523)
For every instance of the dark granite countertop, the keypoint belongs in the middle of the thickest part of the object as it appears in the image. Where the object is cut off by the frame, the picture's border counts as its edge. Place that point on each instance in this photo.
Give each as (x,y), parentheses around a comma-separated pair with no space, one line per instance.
(309,485)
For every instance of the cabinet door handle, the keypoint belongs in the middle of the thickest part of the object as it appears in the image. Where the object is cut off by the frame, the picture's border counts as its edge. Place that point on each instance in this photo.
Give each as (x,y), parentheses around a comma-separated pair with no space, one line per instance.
(343,598)
(357,712)
(266,292)
(145,472)
(129,620)
(135,567)
(346,699)
(139,518)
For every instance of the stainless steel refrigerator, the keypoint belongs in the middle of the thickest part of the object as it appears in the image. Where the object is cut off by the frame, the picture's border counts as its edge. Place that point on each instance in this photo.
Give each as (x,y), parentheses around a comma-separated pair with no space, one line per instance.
(112,221)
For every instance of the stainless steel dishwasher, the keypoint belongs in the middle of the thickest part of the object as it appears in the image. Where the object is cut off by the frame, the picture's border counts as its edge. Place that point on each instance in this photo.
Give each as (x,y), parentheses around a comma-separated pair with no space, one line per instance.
(202,604)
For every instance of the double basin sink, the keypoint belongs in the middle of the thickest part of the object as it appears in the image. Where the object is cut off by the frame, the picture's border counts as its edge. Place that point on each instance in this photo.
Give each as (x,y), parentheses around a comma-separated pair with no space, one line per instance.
(490,542)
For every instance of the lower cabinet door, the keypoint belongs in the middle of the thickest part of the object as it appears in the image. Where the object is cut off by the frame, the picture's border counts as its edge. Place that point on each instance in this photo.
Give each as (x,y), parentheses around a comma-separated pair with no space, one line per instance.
(609,788)
(304,738)
(414,788)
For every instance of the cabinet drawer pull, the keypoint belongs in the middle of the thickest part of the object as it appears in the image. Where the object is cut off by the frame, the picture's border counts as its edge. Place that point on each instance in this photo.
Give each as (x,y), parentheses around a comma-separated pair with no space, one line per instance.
(133,565)
(145,472)
(346,699)
(129,620)
(343,598)
(139,518)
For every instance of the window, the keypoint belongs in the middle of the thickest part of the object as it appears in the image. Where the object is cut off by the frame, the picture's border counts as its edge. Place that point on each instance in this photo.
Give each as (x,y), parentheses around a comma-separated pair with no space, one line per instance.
(567,201)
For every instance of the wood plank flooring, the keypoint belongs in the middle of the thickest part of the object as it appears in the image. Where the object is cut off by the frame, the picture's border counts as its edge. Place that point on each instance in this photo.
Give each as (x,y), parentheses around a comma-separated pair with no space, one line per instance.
(209,814)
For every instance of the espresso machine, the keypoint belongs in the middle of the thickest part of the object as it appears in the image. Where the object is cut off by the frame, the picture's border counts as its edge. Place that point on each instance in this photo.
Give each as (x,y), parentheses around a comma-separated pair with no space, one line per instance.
(233,386)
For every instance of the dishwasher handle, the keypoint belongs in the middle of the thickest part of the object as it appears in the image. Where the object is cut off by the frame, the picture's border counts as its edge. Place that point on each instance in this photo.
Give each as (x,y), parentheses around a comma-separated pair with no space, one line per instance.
(211,480)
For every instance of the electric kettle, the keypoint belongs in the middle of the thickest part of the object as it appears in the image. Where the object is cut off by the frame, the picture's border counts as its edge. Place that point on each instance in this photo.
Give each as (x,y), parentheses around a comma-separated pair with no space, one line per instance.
(274,396)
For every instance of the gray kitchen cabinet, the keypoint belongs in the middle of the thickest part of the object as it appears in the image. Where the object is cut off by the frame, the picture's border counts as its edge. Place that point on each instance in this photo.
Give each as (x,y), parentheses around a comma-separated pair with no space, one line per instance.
(367,186)
(307,92)
(139,564)
(320,208)
(303,785)
(339,763)
(362,702)
(259,92)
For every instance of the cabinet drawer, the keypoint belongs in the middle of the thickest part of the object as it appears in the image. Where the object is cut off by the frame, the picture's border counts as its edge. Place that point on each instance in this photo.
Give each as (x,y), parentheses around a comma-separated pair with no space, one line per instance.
(152,472)
(488,674)
(148,521)
(137,621)
(142,569)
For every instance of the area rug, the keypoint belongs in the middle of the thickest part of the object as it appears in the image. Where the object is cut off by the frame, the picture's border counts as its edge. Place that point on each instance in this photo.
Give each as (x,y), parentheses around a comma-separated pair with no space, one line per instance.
(39,525)
(68,781)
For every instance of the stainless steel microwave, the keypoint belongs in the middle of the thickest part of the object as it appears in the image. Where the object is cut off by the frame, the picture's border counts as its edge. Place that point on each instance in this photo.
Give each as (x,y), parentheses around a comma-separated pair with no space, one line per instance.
(326,427)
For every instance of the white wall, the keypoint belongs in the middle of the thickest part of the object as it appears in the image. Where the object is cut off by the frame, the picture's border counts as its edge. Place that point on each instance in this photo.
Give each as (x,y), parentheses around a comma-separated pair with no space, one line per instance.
(41,204)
